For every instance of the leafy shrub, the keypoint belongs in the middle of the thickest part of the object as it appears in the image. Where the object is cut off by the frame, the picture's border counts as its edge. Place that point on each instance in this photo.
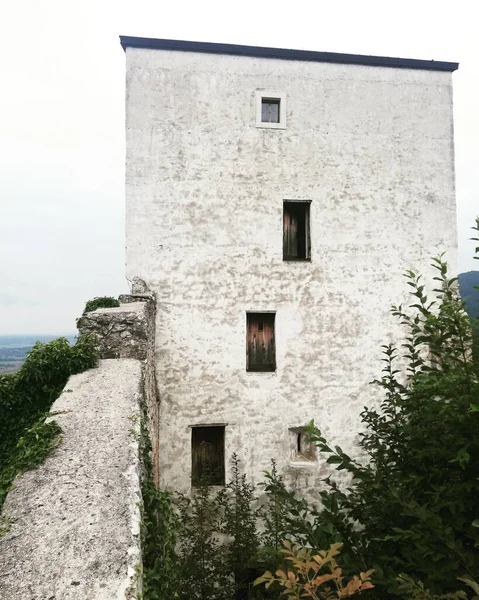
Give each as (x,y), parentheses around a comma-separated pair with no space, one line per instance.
(102,302)
(411,509)
(239,522)
(310,575)
(25,399)
(415,590)
(205,547)
(276,513)
(204,567)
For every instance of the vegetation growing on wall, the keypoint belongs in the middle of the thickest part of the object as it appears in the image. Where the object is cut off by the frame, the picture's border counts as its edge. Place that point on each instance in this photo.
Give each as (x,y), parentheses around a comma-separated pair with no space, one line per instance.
(101,302)
(25,399)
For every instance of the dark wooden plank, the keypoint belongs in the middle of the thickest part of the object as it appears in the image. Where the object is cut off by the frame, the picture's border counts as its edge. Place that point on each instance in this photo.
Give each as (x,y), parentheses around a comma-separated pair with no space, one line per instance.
(261,355)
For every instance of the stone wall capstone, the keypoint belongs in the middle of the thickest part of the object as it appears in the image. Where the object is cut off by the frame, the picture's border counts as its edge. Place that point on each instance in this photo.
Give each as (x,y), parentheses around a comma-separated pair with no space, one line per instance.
(122,332)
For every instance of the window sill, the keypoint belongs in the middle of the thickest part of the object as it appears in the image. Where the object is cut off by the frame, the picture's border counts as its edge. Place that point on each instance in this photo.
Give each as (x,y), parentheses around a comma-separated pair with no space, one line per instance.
(261,369)
(259,374)
(298,463)
(264,125)
(213,488)
(295,259)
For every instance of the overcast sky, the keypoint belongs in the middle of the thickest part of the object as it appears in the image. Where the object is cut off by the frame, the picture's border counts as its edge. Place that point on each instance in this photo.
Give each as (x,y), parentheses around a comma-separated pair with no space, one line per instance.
(62,122)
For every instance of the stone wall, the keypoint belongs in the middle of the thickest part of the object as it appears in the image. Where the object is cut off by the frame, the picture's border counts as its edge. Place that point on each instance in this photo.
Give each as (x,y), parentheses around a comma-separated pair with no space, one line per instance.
(122,332)
(129,332)
(74,521)
(74,532)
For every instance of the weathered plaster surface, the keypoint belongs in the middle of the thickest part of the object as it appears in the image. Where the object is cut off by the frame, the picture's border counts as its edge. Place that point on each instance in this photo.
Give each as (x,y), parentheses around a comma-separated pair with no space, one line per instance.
(371,147)
(128,331)
(75,531)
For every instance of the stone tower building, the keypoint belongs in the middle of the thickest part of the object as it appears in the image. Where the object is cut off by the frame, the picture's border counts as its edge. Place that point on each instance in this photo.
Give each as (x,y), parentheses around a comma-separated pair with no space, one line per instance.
(273,200)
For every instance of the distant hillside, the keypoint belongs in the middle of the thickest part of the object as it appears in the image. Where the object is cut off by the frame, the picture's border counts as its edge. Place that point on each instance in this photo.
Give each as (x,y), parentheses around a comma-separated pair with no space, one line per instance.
(467,281)
(14,349)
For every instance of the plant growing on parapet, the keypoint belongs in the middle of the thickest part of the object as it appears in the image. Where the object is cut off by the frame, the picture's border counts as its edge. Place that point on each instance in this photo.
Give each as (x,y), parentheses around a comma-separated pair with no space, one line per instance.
(25,399)
(101,302)
(411,509)
(314,575)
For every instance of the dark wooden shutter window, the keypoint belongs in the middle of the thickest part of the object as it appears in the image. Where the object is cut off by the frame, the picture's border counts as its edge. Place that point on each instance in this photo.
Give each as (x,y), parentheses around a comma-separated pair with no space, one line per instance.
(208,455)
(296,231)
(260,349)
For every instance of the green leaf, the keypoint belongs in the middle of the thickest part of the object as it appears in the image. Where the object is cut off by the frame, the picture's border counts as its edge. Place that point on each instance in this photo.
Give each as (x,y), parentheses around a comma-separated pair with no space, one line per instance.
(472,584)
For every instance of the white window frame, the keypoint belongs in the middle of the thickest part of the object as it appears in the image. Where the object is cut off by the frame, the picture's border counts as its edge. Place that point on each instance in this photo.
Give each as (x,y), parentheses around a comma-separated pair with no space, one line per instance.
(273,95)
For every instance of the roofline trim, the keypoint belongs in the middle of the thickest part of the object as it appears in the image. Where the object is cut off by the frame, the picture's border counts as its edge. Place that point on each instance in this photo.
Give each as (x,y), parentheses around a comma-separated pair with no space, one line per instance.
(285,54)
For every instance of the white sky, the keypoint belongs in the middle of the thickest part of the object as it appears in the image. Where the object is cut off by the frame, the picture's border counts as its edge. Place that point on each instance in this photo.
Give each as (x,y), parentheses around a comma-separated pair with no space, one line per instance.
(62,122)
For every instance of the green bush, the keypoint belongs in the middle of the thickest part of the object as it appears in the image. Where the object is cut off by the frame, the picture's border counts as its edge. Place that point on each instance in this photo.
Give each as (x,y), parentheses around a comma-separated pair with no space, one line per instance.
(201,548)
(103,302)
(412,508)
(239,523)
(25,399)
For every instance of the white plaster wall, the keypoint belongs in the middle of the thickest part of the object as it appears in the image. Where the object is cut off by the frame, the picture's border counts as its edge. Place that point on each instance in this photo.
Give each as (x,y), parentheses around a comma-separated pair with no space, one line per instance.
(371,147)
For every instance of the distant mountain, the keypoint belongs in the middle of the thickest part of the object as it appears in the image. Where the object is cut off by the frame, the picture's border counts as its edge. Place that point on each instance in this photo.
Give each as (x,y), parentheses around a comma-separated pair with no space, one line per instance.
(467,281)
(21,341)
(14,349)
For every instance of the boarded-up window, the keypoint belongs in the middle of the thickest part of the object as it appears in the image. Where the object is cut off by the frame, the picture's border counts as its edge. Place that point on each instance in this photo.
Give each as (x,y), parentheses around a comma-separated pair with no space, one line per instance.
(208,455)
(296,235)
(260,345)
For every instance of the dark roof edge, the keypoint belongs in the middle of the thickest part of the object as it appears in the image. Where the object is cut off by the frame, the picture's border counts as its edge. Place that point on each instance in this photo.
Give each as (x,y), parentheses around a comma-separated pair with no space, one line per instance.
(282,53)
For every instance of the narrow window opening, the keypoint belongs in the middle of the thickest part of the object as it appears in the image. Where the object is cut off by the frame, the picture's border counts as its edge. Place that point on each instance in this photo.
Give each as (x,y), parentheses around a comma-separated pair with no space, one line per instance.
(260,342)
(302,450)
(270,110)
(296,231)
(299,443)
(208,455)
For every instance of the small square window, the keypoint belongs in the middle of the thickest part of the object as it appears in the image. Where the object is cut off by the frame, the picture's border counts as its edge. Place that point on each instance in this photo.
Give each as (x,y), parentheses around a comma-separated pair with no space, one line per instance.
(296,230)
(208,455)
(270,109)
(260,344)
(302,450)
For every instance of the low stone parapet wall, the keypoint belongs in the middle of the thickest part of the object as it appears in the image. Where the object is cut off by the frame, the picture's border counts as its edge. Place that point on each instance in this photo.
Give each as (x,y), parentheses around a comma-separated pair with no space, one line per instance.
(74,521)
(123,332)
